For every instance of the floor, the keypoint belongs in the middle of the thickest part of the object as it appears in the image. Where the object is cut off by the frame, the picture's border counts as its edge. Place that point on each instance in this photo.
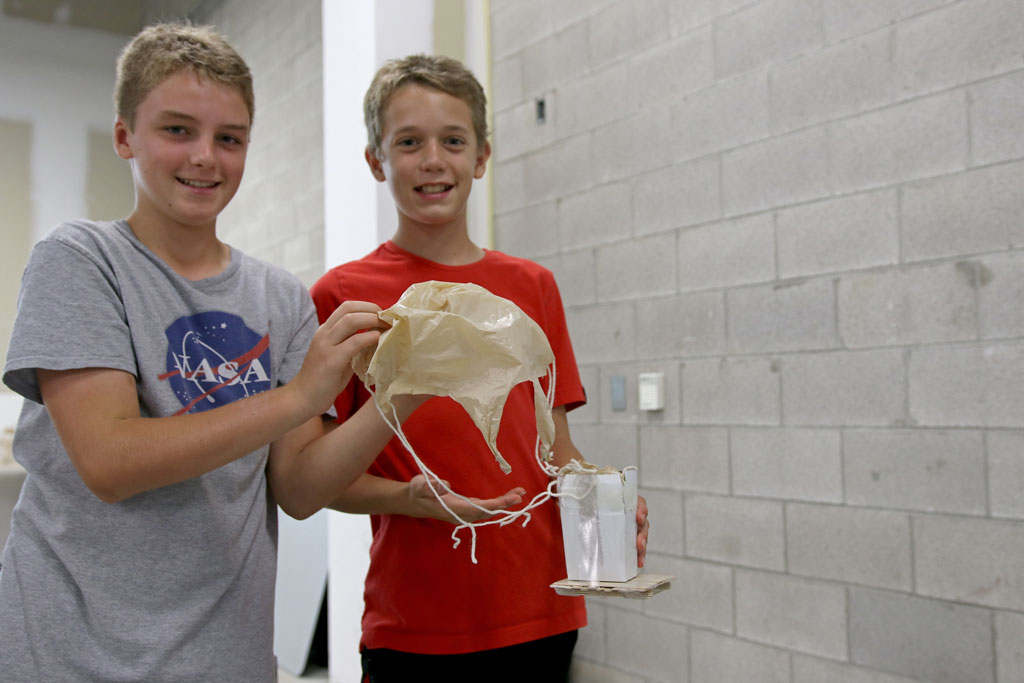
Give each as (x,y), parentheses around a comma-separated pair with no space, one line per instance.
(313,673)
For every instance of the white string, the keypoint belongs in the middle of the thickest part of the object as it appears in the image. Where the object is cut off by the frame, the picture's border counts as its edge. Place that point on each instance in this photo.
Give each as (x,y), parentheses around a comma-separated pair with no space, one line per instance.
(499,517)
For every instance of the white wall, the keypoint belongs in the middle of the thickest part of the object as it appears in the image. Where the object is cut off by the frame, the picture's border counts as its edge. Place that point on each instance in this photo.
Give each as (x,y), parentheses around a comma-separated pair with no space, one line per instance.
(61,80)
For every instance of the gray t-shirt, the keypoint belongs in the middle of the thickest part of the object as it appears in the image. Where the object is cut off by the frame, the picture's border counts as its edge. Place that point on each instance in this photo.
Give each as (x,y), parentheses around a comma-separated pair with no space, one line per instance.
(177,583)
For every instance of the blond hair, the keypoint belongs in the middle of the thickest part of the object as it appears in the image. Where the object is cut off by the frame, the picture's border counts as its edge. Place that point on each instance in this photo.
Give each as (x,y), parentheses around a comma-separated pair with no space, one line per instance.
(433,71)
(162,50)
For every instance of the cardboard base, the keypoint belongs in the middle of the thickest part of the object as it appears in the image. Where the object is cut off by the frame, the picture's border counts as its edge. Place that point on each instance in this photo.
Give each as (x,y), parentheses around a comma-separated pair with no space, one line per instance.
(641,586)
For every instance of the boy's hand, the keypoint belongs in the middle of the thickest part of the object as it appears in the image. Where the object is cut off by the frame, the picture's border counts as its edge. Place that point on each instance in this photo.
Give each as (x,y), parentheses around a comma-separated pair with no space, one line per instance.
(327,368)
(423,499)
(643,527)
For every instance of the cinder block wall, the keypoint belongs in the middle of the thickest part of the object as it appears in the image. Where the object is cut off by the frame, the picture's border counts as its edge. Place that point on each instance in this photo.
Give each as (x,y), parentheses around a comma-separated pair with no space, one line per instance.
(808,215)
(278,213)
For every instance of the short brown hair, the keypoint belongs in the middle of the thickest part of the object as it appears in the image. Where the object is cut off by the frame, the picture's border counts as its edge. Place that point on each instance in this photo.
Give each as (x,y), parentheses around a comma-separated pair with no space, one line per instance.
(162,50)
(433,71)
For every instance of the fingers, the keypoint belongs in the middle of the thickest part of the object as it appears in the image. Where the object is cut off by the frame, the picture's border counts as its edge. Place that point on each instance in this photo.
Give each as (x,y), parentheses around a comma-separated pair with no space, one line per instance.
(643,528)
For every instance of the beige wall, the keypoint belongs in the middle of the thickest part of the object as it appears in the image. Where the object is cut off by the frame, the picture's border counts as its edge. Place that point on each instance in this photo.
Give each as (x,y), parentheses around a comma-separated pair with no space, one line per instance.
(15,189)
(109,190)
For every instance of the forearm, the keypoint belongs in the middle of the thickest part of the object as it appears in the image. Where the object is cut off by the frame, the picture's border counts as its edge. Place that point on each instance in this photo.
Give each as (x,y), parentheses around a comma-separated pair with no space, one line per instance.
(373,495)
(127,455)
(309,469)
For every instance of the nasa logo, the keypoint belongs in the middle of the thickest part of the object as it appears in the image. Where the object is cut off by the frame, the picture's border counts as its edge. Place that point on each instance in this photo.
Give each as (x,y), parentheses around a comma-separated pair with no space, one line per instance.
(213,358)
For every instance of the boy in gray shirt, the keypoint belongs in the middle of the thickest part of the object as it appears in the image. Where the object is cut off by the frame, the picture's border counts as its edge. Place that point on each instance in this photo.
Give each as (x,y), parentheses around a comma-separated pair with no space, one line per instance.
(174,390)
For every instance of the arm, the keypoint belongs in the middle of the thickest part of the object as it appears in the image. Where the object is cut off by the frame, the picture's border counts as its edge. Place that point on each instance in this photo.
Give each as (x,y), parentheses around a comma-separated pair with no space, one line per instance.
(118,453)
(563,450)
(375,495)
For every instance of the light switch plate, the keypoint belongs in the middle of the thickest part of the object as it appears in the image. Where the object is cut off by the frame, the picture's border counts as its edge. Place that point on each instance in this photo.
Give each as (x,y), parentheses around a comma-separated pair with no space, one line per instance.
(618,393)
(651,388)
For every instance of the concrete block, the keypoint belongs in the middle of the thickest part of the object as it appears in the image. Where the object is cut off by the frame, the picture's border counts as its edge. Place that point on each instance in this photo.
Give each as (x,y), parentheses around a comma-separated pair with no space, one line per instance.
(791,316)
(1006,473)
(510,178)
(814,670)
(996,133)
(999,280)
(793,613)
(720,659)
(559,170)
(641,267)
(684,458)
(765,33)
(776,172)
(519,24)
(895,307)
(602,333)
(591,644)
(925,639)
(556,60)
(979,561)
(844,79)
(967,386)
(844,388)
(848,18)
(622,154)
(516,130)
(614,445)
(679,195)
(598,216)
(1009,647)
(733,252)
(967,213)
(735,530)
(592,101)
(730,113)
(701,593)
(739,391)
(868,547)
(841,234)
(666,508)
(672,69)
(957,44)
(918,139)
(573,12)
(926,470)
(620,29)
(577,277)
(527,232)
(652,648)
(507,82)
(680,326)
(789,464)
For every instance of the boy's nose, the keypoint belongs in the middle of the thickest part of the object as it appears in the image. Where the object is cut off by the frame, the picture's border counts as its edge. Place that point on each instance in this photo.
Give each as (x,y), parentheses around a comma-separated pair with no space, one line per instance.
(432,158)
(201,153)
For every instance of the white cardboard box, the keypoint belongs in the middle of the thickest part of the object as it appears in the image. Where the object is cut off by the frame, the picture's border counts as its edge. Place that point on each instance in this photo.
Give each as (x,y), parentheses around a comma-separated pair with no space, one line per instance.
(599,525)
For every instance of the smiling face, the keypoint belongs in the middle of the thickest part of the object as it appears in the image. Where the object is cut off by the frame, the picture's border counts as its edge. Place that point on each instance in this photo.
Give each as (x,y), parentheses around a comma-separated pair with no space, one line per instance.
(187,148)
(429,156)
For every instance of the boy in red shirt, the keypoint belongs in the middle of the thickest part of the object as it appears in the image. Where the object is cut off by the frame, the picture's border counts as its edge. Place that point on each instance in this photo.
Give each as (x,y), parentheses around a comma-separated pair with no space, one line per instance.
(429,610)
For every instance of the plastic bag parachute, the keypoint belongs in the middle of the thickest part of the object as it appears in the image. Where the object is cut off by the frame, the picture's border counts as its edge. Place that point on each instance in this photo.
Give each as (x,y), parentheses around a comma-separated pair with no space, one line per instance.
(462,341)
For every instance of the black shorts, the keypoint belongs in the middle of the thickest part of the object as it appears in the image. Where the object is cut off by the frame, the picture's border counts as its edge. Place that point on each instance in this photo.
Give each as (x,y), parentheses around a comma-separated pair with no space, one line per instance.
(546,660)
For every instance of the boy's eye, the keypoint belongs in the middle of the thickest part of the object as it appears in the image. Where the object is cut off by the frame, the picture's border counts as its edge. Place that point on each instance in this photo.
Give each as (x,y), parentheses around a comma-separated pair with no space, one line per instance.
(406,142)
(176,130)
(230,139)
(454,141)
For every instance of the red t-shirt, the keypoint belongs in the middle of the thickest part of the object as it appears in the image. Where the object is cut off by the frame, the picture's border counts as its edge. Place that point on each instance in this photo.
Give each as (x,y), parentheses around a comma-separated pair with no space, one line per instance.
(421,594)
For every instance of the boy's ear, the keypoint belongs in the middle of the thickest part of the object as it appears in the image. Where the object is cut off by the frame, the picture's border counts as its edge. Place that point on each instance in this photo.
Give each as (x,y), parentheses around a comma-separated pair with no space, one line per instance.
(481,160)
(376,168)
(121,143)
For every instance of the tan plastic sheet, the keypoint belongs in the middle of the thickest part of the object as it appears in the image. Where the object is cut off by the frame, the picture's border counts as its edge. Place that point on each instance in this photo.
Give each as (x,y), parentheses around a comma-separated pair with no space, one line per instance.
(459,340)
